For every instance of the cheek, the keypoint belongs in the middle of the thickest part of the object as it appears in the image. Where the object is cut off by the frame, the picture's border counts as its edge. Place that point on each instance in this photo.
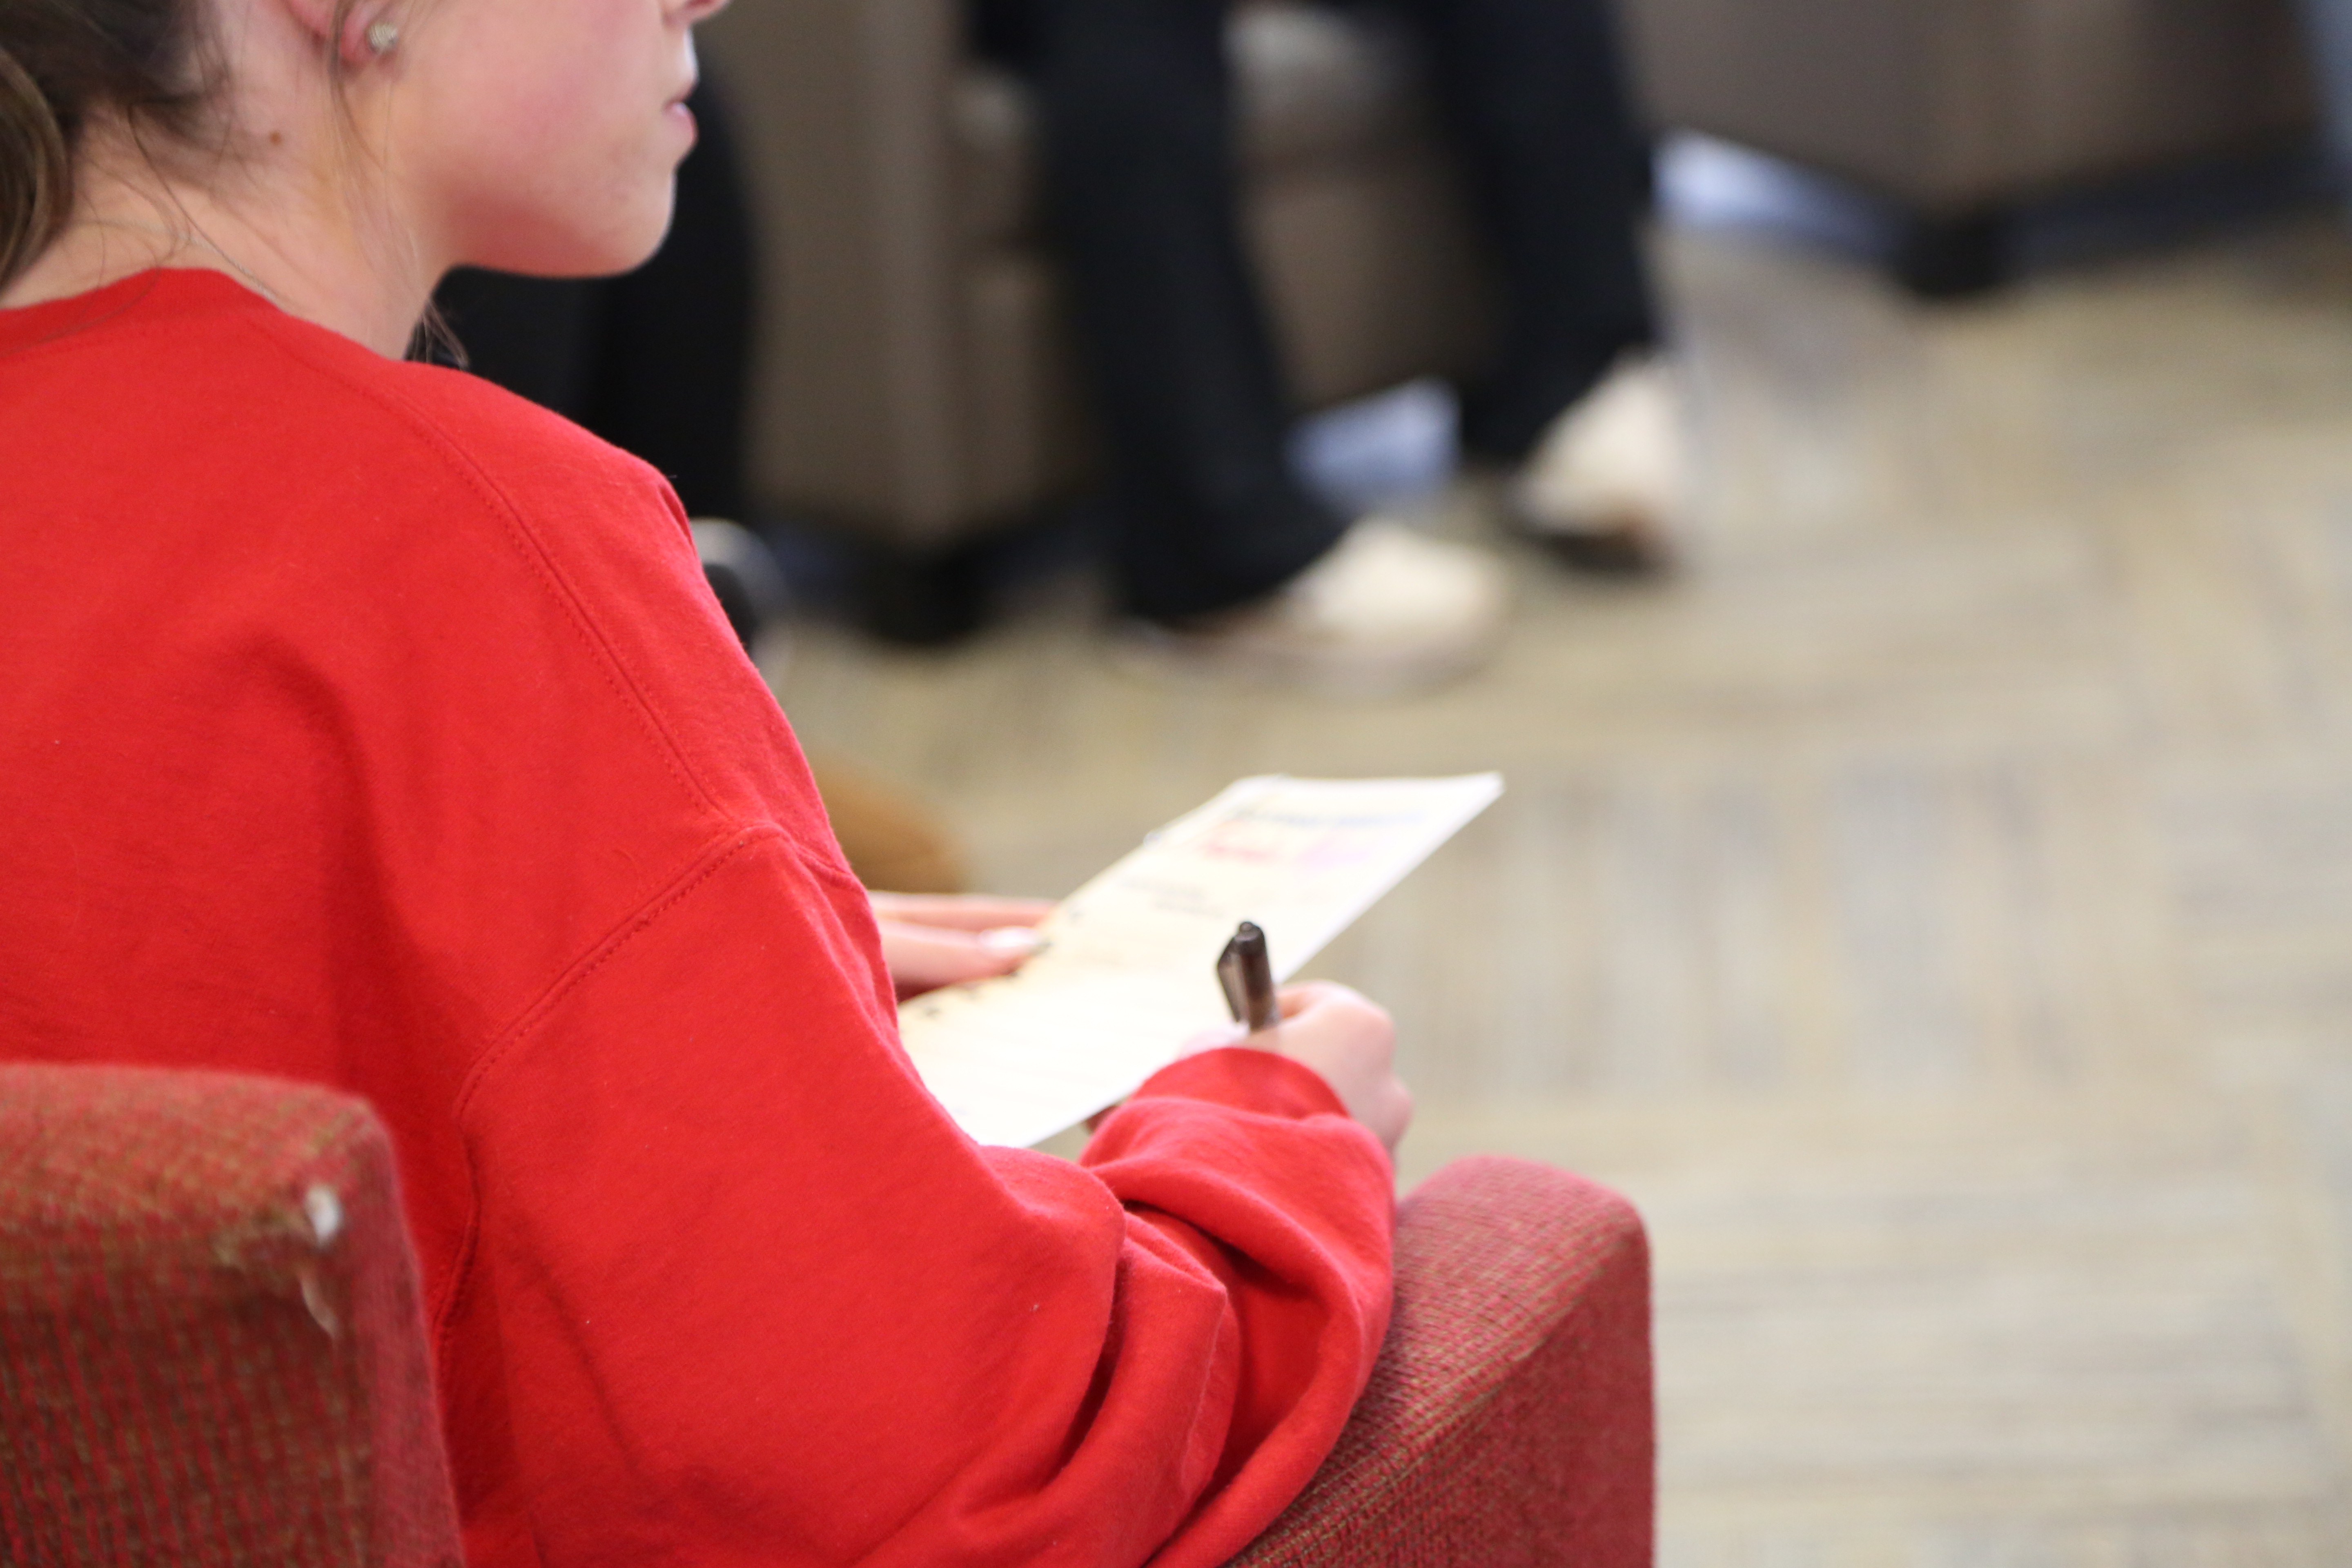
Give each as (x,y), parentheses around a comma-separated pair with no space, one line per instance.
(561,167)
(545,114)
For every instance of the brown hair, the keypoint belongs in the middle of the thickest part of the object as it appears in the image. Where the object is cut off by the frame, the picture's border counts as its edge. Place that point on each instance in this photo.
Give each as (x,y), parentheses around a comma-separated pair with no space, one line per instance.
(63,61)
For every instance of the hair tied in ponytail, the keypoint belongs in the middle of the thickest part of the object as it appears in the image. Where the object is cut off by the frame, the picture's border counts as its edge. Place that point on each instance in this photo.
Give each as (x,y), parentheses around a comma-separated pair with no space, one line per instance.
(35,169)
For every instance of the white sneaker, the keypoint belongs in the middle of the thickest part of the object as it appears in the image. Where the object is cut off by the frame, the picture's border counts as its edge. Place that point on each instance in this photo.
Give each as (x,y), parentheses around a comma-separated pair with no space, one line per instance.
(1384,611)
(1608,484)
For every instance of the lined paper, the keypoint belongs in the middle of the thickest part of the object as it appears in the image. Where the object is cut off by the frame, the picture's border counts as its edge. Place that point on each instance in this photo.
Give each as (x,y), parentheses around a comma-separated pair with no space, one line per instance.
(1125,974)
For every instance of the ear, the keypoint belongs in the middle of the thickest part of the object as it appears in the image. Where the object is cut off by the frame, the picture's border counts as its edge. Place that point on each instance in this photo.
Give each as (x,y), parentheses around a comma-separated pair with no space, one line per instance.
(340,24)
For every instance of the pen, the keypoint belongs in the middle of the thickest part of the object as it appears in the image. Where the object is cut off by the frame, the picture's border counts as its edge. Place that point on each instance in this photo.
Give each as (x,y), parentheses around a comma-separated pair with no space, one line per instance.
(1248,978)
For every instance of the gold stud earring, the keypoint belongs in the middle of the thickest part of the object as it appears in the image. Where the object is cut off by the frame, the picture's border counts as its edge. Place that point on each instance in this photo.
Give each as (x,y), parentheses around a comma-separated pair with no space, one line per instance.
(383,35)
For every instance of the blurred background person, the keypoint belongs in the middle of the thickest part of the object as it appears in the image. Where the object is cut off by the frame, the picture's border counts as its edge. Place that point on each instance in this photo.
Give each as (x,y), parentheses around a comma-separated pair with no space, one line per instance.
(1219,552)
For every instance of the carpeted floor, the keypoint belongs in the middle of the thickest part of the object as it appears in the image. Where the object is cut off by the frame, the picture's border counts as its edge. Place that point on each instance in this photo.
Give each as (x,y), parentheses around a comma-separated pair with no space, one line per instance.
(1936,909)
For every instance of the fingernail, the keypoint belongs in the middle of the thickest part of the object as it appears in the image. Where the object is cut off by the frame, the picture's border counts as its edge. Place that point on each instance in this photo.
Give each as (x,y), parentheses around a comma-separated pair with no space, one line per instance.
(1009,938)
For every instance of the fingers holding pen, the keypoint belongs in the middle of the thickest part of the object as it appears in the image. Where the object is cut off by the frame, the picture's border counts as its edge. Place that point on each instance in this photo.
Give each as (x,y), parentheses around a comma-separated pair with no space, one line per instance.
(929,942)
(1351,1042)
(1348,1039)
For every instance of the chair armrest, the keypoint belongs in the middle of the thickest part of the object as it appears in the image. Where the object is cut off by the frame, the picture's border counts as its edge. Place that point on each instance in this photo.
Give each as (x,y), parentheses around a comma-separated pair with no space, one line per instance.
(840,108)
(211,1347)
(1509,1418)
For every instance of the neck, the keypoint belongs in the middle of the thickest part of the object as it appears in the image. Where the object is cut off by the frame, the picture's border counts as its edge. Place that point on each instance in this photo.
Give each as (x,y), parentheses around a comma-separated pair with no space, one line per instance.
(280,224)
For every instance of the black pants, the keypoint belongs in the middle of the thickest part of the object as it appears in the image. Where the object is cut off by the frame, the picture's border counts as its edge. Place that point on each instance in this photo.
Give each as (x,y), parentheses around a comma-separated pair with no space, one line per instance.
(1134,101)
(656,361)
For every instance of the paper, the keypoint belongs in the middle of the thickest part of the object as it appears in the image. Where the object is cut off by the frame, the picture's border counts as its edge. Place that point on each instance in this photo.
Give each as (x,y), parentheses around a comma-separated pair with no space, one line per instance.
(1126,973)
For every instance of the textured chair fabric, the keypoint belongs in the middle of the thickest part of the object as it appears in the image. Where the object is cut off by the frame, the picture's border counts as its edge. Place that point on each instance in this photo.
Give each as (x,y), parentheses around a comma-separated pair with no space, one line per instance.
(1509,1420)
(211,1351)
(916,380)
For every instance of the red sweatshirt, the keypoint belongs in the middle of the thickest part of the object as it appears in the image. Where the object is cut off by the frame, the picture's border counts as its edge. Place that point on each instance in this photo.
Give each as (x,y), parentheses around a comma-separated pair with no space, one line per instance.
(363,724)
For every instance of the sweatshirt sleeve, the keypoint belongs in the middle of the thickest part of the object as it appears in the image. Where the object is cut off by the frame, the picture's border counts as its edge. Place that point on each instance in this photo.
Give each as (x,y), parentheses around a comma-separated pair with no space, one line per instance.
(751,1297)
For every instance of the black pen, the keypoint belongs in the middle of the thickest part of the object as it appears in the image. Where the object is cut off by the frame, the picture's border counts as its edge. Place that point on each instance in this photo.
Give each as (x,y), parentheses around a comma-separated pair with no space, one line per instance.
(1243,970)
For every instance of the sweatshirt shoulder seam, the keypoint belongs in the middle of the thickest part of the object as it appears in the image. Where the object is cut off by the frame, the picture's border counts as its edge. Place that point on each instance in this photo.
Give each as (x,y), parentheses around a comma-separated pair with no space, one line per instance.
(699,869)
(430,432)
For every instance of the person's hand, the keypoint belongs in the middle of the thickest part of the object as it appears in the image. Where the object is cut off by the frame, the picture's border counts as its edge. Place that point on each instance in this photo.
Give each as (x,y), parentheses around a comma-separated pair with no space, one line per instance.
(1350,1041)
(929,940)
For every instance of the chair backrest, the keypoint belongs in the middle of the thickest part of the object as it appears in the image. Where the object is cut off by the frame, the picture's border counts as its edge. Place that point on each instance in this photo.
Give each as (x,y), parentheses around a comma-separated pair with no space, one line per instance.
(1951,105)
(211,1350)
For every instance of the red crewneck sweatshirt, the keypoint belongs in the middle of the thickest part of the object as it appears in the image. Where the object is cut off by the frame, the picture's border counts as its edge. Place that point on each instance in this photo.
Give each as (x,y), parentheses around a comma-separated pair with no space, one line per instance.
(363,725)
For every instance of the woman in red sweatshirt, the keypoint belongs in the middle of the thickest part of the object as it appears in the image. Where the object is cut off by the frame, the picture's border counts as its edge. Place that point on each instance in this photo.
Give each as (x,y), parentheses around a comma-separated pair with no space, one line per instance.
(363,725)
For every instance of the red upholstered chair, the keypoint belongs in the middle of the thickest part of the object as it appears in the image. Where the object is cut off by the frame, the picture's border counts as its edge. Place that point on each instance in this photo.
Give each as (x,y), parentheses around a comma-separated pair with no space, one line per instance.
(211,1350)
(211,1347)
